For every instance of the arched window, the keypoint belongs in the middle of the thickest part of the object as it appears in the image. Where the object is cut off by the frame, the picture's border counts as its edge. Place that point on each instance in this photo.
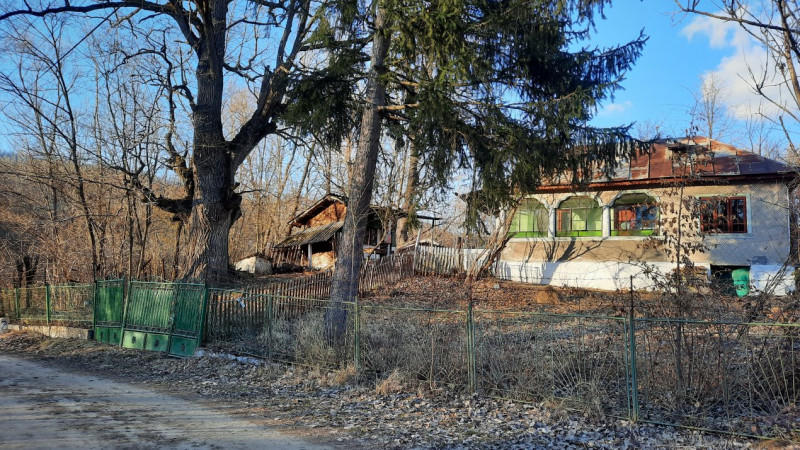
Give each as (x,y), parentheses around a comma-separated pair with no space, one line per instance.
(635,215)
(579,216)
(531,220)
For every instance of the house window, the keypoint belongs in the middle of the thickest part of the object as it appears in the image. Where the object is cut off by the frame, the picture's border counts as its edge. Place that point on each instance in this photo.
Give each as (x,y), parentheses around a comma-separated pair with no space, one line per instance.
(579,216)
(531,220)
(635,215)
(723,214)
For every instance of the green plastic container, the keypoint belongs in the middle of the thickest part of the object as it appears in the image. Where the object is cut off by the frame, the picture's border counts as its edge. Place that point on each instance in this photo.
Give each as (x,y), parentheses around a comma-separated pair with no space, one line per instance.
(741,281)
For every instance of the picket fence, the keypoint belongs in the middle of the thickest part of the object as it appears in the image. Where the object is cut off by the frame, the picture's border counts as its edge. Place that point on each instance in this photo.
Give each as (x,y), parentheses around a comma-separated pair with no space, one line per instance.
(233,310)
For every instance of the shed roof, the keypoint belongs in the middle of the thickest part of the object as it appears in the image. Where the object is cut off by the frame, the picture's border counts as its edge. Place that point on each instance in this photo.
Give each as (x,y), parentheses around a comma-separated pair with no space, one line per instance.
(320,205)
(316,208)
(312,235)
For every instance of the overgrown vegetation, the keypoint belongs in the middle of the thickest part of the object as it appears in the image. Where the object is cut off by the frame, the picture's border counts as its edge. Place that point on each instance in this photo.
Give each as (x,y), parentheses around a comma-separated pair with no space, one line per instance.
(709,367)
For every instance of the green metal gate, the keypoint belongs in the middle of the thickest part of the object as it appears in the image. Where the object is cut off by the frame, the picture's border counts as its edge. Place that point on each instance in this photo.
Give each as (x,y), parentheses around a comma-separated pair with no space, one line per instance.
(109,299)
(165,317)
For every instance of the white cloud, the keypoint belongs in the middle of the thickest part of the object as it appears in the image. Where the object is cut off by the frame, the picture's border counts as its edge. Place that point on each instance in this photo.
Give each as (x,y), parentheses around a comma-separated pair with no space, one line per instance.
(746,59)
(613,109)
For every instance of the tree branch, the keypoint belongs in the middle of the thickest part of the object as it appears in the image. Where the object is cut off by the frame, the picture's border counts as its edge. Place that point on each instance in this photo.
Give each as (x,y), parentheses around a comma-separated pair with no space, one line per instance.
(733,18)
(141,4)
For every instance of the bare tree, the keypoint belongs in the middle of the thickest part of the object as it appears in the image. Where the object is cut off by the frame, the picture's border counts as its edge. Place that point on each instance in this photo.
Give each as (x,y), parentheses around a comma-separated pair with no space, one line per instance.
(775,24)
(199,48)
(45,86)
(759,136)
(709,112)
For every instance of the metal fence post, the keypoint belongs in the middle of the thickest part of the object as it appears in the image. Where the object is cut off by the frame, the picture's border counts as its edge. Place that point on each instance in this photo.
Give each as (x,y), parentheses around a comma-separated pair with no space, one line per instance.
(472,376)
(356,336)
(47,303)
(126,293)
(270,301)
(94,311)
(16,303)
(173,307)
(633,408)
(201,337)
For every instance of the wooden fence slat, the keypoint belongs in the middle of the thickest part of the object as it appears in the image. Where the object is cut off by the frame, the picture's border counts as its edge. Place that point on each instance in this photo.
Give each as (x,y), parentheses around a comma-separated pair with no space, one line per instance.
(227,314)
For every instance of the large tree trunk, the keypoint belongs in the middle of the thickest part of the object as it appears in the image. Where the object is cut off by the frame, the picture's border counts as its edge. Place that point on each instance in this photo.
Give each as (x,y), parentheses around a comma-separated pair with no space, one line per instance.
(351,245)
(215,205)
(215,209)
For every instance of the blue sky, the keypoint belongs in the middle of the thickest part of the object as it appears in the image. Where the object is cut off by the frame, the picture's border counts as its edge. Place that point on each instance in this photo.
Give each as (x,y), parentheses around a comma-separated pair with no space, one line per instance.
(681,50)
(659,88)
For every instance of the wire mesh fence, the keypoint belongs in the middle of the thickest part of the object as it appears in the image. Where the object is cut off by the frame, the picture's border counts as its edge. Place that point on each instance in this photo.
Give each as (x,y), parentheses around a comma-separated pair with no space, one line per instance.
(733,377)
(424,345)
(32,304)
(71,304)
(322,334)
(281,328)
(580,361)
(725,374)
(8,303)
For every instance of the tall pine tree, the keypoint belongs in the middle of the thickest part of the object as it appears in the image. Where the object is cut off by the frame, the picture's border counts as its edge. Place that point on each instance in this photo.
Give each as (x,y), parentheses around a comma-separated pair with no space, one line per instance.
(499,87)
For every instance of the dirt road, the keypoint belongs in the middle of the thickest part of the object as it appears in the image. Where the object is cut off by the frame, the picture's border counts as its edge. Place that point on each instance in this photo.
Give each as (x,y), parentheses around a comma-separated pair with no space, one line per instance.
(44,407)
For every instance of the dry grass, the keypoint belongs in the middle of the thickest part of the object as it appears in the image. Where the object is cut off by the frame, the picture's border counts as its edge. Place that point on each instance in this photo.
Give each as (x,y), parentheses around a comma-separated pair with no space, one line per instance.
(395,382)
(346,376)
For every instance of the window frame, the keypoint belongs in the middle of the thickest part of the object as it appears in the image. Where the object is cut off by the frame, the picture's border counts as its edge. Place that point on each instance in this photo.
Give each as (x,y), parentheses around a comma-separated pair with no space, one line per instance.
(532,207)
(561,213)
(643,229)
(711,227)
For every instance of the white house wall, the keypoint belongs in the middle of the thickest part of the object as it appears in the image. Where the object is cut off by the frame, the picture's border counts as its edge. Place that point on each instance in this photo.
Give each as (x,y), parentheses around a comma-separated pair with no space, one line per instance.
(607,262)
(612,276)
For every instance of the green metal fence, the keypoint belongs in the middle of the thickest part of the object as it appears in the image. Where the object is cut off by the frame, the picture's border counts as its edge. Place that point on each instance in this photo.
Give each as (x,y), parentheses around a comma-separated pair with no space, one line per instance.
(71,304)
(166,317)
(108,312)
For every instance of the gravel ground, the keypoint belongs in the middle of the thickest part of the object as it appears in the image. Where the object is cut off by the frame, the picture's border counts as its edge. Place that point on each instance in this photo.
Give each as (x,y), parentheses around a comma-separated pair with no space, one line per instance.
(337,408)
(46,407)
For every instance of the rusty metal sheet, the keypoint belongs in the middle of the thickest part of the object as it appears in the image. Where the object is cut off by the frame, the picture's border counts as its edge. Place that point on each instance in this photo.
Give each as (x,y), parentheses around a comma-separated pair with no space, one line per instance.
(667,158)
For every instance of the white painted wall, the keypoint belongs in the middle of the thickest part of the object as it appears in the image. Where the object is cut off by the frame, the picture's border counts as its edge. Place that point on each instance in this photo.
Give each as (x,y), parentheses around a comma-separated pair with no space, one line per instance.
(774,277)
(613,276)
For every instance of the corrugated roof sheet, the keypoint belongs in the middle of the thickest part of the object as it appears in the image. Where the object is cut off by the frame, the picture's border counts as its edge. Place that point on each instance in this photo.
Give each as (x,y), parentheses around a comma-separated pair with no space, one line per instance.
(666,158)
(320,205)
(715,159)
(313,235)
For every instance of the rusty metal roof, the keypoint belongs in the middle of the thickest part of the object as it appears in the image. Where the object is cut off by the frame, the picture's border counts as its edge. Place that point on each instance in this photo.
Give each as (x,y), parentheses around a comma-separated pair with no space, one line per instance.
(313,235)
(666,160)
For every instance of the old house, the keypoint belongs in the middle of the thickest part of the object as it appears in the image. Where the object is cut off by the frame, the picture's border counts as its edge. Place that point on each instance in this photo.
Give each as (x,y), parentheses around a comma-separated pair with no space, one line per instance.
(314,233)
(724,209)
